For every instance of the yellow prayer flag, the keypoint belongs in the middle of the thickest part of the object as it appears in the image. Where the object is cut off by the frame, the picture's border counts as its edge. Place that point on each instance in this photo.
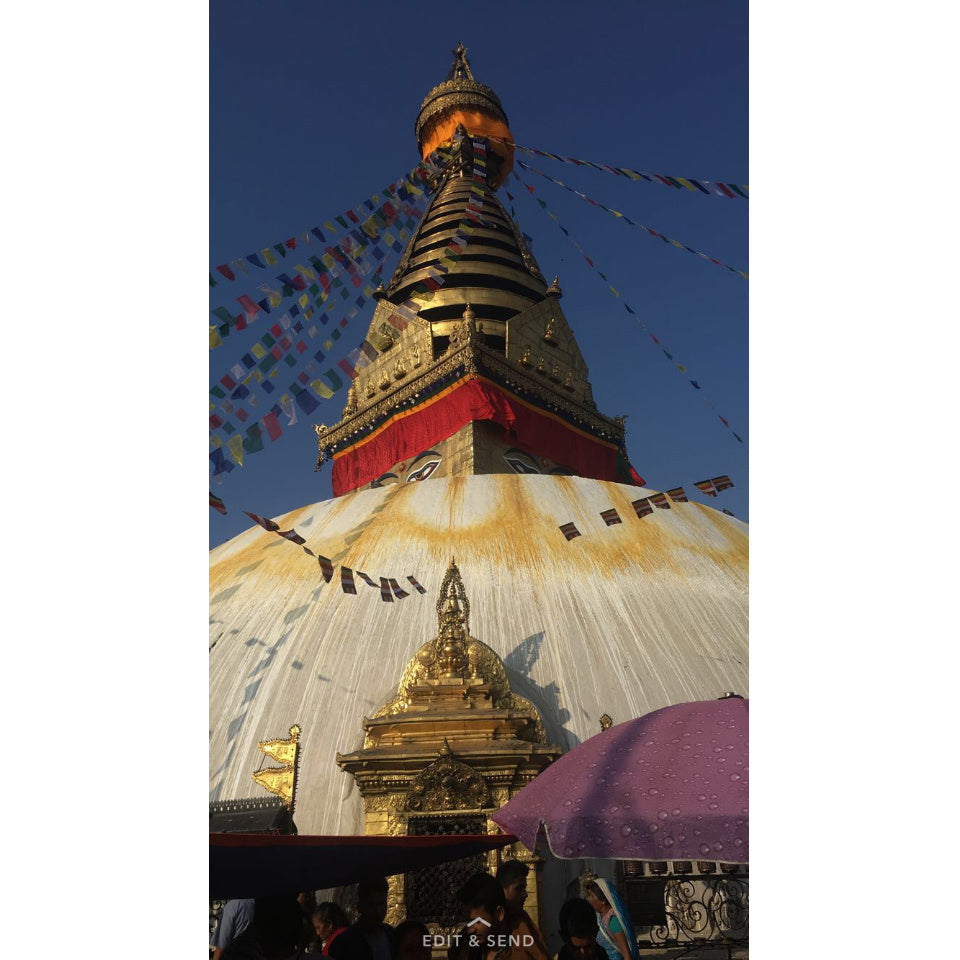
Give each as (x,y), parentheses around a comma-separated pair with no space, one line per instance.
(327,344)
(235,446)
(274,298)
(447,262)
(215,340)
(215,441)
(320,388)
(258,350)
(615,292)
(307,272)
(329,226)
(303,300)
(681,368)
(616,213)
(267,255)
(687,184)
(327,260)
(679,246)
(632,174)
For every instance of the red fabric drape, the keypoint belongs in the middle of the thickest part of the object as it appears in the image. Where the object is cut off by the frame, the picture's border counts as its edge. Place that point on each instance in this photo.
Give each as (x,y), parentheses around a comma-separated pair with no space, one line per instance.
(411,432)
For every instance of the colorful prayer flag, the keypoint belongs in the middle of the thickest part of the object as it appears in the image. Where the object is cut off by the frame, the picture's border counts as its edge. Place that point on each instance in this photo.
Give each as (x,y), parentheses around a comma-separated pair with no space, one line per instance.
(722,483)
(326,568)
(398,592)
(217,504)
(678,495)
(610,517)
(263,521)
(569,530)
(416,586)
(235,446)
(660,500)
(386,592)
(642,507)
(707,487)
(346,580)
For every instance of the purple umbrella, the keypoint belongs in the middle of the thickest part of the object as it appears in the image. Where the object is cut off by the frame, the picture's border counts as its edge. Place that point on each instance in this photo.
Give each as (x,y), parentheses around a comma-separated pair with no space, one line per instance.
(670,785)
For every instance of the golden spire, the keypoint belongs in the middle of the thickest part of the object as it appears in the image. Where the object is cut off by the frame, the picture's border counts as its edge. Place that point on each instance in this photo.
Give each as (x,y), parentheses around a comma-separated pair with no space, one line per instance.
(453,634)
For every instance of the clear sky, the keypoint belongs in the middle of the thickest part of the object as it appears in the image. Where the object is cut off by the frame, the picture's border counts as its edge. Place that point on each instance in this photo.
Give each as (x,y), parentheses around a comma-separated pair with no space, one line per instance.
(312,108)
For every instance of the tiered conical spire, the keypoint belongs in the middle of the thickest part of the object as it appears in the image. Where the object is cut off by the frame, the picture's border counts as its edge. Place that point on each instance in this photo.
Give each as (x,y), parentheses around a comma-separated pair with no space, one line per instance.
(496,272)
(476,369)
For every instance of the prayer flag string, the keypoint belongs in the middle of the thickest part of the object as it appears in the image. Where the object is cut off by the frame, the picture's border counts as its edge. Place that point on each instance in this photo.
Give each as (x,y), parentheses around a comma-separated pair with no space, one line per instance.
(364,354)
(679,366)
(633,223)
(284,346)
(714,188)
(356,216)
(644,507)
(388,586)
(315,279)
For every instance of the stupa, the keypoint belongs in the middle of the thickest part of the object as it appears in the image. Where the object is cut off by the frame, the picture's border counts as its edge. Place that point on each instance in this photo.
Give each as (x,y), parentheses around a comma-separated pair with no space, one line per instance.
(473,434)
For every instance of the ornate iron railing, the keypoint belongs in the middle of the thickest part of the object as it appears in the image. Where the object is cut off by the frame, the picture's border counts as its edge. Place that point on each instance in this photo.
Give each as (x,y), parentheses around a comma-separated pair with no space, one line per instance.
(704,909)
(687,904)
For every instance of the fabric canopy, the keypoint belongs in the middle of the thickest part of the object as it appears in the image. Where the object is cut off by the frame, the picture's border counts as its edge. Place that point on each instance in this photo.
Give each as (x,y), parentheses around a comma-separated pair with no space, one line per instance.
(259,865)
(410,432)
(670,785)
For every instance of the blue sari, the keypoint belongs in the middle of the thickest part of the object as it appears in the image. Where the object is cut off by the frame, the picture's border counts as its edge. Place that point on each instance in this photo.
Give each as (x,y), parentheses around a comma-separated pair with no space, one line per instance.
(612,895)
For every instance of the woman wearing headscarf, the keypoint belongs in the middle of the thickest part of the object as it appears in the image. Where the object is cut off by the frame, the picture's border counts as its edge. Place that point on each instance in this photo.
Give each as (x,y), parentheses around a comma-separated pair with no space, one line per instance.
(616,934)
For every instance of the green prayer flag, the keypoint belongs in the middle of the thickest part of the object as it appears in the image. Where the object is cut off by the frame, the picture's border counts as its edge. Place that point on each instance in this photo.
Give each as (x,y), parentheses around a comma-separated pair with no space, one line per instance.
(280,248)
(253,441)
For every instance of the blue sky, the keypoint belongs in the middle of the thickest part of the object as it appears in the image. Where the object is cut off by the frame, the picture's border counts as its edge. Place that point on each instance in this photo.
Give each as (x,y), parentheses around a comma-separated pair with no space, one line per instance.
(312,110)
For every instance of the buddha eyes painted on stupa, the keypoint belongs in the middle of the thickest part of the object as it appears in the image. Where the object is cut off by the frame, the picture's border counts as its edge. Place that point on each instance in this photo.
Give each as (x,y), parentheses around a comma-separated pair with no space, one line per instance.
(425,469)
(521,462)
(383,480)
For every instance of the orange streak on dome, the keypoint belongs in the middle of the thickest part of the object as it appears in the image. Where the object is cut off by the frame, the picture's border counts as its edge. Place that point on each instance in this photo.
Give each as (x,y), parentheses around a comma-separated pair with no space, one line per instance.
(440,130)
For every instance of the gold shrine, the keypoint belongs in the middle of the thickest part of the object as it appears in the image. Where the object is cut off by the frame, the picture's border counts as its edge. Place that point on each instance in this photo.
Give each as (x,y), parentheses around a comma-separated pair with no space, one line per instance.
(453,745)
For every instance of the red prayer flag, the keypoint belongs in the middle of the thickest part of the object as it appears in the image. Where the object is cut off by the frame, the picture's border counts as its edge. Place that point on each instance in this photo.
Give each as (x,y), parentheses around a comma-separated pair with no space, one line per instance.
(226,271)
(250,308)
(273,426)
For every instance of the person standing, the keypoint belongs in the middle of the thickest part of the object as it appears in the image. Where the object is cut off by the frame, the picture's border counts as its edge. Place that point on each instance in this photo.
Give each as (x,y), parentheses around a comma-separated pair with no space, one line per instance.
(369,938)
(487,923)
(512,876)
(579,929)
(329,923)
(233,932)
(616,927)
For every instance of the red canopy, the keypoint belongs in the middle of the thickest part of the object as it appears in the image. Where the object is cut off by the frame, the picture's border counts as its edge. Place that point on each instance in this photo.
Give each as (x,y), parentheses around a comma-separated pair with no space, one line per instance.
(259,865)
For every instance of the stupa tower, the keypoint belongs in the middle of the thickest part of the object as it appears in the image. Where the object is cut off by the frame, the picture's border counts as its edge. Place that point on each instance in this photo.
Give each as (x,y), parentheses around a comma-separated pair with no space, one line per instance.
(476,369)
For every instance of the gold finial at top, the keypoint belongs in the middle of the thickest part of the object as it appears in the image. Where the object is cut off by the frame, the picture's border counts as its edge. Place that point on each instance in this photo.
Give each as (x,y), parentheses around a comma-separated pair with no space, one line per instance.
(606,721)
(461,66)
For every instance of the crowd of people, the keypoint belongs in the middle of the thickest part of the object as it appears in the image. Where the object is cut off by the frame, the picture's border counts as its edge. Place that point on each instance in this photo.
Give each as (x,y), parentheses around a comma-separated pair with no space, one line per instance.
(496,926)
